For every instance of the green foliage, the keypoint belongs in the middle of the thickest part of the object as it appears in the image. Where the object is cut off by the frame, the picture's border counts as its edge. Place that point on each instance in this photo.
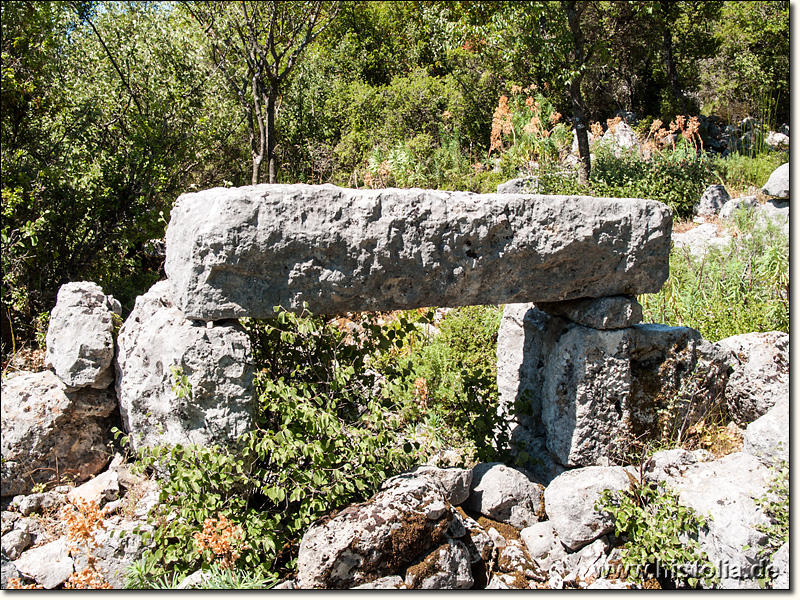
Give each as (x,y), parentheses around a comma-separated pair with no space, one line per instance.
(458,370)
(775,505)
(737,288)
(744,172)
(657,529)
(675,177)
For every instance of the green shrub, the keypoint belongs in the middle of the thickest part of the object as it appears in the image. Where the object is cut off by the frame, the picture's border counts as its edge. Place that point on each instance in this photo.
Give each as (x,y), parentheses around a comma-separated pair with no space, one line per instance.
(775,505)
(658,531)
(741,287)
(739,173)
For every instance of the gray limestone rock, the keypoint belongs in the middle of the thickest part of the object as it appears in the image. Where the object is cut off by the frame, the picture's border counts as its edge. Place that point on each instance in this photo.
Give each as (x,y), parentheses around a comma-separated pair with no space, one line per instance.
(543,544)
(444,568)
(760,377)
(376,538)
(80,340)
(777,185)
(780,564)
(611,312)
(588,392)
(727,210)
(49,565)
(725,490)
(570,499)
(7,571)
(506,494)
(521,185)
(712,200)
(15,542)
(767,438)
(391,582)
(155,340)
(243,251)
(455,483)
(50,431)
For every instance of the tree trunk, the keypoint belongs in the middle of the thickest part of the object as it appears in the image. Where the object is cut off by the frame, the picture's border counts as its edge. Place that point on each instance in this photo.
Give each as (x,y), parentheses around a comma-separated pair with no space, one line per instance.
(672,70)
(271,141)
(579,116)
(258,146)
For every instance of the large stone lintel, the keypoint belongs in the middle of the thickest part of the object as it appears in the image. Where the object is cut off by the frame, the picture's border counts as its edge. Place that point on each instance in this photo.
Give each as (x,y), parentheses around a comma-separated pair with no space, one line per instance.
(242,251)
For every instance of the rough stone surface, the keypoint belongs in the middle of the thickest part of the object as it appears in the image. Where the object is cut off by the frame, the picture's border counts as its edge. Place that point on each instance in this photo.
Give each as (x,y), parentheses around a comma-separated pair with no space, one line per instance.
(611,312)
(444,568)
(701,238)
(375,539)
(543,544)
(216,360)
(767,438)
(80,335)
(50,431)
(7,571)
(725,490)
(712,200)
(777,185)
(515,558)
(569,502)
(242,251)
(100,490)
(36,503)
(731,206)
(780,562)
(669,464)
(455,483)
(506,494)
(521,185)
(49,565)
(777,140)
(760,375)
(392,582)
(586,391)
(622,138)
(15,542)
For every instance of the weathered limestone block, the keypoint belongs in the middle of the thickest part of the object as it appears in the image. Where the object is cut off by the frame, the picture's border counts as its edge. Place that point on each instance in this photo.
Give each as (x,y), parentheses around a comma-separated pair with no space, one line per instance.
(445,568)
(80,341)
(216,360)
(570,499)
(778,183)
(51,430)
(368,541)
(767,438)
(242,251)
(587,392)
(760,377)
(506,494)
(611,312)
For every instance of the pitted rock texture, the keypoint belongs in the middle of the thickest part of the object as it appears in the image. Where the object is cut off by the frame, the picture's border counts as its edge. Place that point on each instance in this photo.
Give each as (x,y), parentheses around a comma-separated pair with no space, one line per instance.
(368,541)
(778,183)
(587,392)
(612,312)
(80,341)
(760,378)
(570,499)
(506,494)
(51,430)
(216,360)
(243,251)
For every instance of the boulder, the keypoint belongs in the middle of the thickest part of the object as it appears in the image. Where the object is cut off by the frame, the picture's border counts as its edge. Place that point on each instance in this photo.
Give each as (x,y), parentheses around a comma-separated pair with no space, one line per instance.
(391,582)
(777,140)
(100,490)
(543,544)
(712,200)
(760,377)
(15,542)
(50,432)
(521,185)
(725,490)
(731,206)
(777,185)
(80,335)
(37,503)
(375,539)
(243,251)
(588,392)
(157,345)
(699,239)
(767,438)
(454,482)
(444,568)
(506,494)
(611,312)
(621,138)
(7,571)
(49,565)
(780,566)
(570,499)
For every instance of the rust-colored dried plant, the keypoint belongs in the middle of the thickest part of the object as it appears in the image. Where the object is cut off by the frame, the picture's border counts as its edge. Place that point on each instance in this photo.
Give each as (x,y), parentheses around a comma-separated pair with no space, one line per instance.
(223,538)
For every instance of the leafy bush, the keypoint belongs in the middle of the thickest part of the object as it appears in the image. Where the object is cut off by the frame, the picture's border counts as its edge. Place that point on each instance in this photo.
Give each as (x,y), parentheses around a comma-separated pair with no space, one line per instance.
(658,531)
(741,287)
(328,434)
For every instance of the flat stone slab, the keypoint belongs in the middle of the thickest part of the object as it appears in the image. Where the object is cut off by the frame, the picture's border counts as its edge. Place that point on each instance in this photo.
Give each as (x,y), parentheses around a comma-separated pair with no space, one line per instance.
(239,252)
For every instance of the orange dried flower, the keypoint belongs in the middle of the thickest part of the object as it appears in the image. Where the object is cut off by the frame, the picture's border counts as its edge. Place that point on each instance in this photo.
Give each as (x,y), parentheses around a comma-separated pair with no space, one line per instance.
(597,129)
(555,117)
(223,538)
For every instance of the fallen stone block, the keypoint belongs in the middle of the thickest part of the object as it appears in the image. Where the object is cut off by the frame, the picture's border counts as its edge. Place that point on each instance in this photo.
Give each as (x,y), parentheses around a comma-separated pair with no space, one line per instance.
(243,251)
